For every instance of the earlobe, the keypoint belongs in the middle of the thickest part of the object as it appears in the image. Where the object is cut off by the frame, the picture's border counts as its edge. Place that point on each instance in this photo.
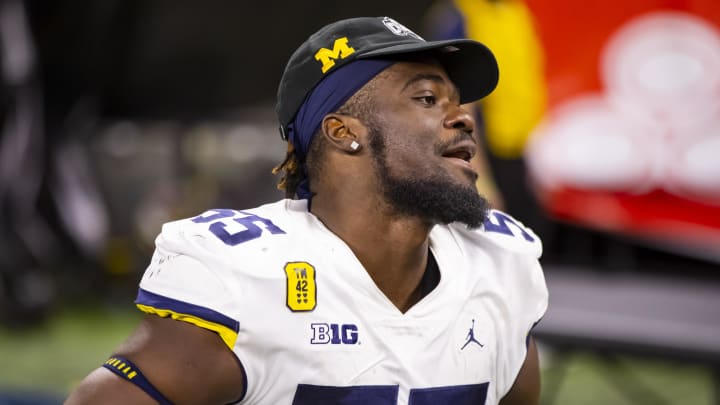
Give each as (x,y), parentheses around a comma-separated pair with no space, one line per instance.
(343,132)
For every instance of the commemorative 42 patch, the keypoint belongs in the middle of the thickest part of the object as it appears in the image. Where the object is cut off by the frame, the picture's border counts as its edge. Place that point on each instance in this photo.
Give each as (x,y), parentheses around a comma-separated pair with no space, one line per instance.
(301,287)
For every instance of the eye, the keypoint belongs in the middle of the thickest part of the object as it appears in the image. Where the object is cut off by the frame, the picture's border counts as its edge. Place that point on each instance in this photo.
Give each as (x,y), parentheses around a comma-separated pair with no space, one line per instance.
(426,100)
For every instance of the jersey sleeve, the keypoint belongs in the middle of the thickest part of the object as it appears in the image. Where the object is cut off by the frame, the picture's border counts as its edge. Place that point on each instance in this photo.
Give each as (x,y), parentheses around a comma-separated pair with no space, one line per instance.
(528,301)
(185,281)
(526,292)
(522,284)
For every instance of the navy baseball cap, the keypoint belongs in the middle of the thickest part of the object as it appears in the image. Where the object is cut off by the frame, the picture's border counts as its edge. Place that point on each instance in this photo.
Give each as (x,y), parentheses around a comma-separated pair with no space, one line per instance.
(469,64)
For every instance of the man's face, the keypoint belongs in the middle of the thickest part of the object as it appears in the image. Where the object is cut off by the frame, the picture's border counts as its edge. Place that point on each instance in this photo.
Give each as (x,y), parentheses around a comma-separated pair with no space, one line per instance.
(422,143)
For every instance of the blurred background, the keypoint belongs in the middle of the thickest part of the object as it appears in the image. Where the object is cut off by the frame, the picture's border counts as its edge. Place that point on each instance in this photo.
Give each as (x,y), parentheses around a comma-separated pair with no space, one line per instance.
(603,136)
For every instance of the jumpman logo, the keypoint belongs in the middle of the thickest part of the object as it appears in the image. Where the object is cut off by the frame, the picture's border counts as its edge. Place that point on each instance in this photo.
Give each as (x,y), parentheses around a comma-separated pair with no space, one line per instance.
(471,336)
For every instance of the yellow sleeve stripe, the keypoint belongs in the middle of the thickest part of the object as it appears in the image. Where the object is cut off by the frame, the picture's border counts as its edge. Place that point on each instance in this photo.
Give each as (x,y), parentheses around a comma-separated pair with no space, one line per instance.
(120,366)
(228,335)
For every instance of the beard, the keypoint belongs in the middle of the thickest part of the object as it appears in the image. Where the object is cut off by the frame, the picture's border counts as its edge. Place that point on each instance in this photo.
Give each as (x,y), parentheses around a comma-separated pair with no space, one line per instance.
(434,196)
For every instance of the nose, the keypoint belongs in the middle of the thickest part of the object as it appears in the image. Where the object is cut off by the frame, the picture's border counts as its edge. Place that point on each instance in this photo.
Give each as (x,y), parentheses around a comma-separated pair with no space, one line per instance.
(460,118)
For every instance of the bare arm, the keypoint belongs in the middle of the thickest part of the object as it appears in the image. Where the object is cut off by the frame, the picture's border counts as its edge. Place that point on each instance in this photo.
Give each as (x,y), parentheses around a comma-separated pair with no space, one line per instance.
(526,389)
(177,358)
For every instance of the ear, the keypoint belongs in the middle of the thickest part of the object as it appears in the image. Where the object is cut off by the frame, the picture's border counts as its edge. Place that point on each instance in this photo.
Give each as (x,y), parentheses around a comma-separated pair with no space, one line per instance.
(344,132)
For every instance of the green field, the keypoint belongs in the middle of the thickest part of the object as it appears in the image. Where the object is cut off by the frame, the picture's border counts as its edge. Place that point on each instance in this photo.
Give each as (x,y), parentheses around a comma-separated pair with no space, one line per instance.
(53,357)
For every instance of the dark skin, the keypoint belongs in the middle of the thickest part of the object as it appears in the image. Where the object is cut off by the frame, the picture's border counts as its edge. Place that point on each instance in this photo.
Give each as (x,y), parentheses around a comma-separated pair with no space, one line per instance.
(420,107)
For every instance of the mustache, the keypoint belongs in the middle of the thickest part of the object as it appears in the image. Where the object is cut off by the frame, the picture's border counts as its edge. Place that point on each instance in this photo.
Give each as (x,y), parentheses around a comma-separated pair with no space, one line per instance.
(458,137)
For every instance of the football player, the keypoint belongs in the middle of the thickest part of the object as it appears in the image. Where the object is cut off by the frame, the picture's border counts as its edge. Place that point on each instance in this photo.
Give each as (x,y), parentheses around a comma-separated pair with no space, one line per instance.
(383,278)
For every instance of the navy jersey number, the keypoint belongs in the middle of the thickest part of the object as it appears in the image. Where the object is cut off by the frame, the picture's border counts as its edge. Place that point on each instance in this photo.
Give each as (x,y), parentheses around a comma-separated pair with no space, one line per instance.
(219,219)
(501,223)
(471,394)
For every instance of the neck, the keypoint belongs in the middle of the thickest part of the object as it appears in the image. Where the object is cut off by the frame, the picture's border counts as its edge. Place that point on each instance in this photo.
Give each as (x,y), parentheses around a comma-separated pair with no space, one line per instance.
(393,249)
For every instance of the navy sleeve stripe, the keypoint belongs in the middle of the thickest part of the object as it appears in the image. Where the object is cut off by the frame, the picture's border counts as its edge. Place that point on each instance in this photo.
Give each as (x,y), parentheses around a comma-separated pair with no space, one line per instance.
(161,302)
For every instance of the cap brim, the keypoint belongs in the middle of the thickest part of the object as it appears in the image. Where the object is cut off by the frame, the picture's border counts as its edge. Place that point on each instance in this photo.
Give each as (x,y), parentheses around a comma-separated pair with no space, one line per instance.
(469,64)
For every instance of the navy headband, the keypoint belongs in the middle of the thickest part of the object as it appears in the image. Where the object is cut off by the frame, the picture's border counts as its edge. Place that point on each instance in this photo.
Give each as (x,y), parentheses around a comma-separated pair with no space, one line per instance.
(327,97)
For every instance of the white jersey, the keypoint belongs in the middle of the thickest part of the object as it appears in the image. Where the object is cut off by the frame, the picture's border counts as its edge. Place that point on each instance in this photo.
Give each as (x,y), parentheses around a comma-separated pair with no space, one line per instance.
(309,325)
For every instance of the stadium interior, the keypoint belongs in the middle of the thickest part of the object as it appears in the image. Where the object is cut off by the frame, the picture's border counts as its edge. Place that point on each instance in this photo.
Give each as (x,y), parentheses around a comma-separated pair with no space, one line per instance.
(118,116)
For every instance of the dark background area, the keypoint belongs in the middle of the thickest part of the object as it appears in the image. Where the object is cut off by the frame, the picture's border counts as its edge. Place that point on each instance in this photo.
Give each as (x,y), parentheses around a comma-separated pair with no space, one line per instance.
(181,59)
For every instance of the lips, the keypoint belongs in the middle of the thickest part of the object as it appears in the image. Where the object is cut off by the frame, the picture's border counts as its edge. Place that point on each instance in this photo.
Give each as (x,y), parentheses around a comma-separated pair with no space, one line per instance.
(464,151)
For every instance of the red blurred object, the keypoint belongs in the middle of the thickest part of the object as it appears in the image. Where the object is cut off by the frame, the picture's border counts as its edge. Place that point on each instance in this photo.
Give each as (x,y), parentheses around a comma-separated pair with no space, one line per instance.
(633,126)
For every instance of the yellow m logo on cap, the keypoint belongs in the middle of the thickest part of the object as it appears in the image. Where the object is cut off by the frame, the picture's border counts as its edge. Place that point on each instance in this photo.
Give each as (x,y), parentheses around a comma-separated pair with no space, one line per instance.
(340,50)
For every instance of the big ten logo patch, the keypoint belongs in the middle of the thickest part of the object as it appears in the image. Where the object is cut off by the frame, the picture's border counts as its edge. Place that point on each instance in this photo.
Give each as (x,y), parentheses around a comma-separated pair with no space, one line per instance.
(340,50)
(301,287)
(334,334)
